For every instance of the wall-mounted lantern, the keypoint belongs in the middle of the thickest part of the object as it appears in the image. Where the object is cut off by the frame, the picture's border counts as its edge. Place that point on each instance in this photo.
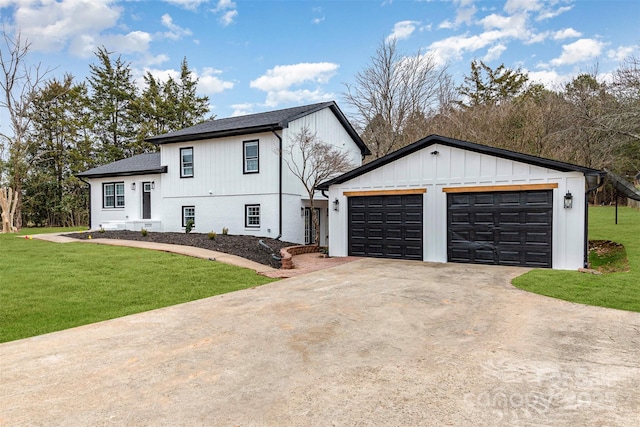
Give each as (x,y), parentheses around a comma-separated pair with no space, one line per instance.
(336,205)
(153,185)
(301,211)
(568,200)
(133,186)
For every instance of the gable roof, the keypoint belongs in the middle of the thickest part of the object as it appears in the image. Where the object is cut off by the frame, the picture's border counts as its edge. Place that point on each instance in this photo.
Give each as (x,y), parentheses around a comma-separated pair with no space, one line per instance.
(465,145)
(142,164)
(254,123)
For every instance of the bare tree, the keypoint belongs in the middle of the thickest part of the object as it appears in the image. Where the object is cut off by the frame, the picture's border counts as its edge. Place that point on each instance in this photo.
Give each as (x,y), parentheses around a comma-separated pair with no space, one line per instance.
(391,91)
(313,161)
(18,83)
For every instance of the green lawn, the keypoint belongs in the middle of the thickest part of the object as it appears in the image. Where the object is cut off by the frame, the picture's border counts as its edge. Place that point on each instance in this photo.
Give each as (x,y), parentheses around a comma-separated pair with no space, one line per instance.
(46,287)
(615,290)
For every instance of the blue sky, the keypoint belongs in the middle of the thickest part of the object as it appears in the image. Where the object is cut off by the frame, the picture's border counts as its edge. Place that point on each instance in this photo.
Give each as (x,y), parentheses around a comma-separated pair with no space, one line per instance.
(259,55)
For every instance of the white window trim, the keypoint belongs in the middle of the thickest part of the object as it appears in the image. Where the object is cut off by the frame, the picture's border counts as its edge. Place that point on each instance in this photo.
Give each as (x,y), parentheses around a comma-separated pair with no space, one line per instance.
(115,185)
(247,217)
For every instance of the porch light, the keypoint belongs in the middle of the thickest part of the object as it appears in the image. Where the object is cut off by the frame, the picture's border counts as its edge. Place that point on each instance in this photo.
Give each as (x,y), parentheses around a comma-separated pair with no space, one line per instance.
(133,186)
(336,205)
(153,185)
(302,211)
(568,200)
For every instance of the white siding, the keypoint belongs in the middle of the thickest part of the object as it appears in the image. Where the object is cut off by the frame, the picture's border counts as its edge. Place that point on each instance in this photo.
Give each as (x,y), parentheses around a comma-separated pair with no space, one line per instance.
(129,217)
(454,167)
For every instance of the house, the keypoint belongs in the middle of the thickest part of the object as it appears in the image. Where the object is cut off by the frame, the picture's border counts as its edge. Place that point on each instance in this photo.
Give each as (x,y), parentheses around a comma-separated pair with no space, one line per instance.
(226,173)
(446,200)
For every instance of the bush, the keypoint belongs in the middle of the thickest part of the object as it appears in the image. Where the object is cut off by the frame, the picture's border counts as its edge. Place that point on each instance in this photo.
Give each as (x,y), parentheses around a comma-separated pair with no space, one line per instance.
(225,231)
(189,226)
(144,232)
(102,230)
(212,235)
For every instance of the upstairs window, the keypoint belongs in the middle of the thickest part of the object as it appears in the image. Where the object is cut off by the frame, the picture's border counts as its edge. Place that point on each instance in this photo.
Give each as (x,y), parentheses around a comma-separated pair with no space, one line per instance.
(252,216)
(251,159)
(113,195)
(186,162)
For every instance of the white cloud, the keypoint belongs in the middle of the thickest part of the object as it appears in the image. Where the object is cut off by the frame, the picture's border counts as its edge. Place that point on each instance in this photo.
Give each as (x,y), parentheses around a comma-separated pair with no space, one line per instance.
(494,52)
(133,42)
(227,9)
(446,25)
(464,14)
(578,51)
(53,25)
(175,31)
(513,6)
(284,76)
(317,20)
(278,83)
(210,83)
(454,47)
(550,13)
(403,30)
(187,4)
(242,109)
(551,79)
(621,53)
(567,33)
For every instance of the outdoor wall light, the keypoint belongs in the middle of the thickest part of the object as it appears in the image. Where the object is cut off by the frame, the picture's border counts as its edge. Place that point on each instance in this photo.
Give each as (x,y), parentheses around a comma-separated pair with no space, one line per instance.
(301,211)
(133,186)
(153,185)
(568,200)
(336,205)
(435,153)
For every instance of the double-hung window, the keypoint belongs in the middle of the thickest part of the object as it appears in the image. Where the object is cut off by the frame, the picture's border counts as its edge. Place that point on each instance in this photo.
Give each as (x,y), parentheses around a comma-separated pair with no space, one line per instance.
(251,158)
(188,214)
(113,195)
(186,162)
(252,216)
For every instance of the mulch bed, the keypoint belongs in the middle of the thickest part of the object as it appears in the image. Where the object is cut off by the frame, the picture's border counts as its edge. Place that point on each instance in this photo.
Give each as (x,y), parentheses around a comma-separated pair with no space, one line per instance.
(244,246)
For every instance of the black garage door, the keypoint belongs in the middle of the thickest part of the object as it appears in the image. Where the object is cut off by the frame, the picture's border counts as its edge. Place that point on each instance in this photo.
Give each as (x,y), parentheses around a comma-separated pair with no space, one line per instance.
(386,226)
(506,228)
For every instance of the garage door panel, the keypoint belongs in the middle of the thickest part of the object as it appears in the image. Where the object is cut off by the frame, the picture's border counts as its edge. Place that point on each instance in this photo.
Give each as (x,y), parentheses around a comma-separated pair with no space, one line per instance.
(395,221)
(515,230)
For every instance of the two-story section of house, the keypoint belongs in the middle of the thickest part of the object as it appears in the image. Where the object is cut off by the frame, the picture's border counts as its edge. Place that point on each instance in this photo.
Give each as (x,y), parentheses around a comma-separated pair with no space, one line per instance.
(223,174)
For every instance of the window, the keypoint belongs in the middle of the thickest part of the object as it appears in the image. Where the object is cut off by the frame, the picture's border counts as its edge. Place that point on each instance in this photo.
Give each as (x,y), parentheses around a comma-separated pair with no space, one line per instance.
(186,162)
(252,216)
(113,195)
(251,160)
(188,214)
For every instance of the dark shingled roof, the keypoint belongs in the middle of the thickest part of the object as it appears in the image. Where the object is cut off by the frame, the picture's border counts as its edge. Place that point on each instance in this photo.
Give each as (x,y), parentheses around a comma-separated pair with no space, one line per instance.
(254,123)
(465,145)
(142,164)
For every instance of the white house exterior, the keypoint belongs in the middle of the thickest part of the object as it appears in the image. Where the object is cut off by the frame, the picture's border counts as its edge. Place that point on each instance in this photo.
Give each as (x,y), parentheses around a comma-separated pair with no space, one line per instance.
(445,200)
(224,173)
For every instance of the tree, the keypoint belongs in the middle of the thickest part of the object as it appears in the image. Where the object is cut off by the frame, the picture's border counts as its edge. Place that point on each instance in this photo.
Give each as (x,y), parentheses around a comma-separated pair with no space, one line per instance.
(169,106)
(113,92)
(313,161)
(60,123)
(18,83)
(389,92)
(485,86)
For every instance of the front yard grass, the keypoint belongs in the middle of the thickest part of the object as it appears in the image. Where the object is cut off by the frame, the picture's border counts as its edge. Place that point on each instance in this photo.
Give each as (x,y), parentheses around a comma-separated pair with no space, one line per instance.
(619,290)
(47,287)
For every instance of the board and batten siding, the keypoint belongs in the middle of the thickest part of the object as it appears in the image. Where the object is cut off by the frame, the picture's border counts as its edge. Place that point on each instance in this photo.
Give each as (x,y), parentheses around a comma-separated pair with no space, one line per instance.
(455,167)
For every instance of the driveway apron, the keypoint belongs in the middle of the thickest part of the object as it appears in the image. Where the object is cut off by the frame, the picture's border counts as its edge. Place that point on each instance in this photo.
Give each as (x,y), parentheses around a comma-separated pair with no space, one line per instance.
(372,342)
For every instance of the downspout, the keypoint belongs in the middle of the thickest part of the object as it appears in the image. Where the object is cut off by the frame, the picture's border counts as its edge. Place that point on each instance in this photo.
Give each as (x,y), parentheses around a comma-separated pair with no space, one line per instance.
(89,184)
(279,185)
(586,218)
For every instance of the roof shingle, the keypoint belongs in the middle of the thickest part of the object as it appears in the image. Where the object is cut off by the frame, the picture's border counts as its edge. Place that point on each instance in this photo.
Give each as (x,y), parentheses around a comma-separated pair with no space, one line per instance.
(141,164)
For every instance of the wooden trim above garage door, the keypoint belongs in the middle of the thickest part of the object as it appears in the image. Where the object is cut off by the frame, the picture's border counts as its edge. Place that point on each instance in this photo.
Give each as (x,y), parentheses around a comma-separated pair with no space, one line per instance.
(491,188)
(399,192)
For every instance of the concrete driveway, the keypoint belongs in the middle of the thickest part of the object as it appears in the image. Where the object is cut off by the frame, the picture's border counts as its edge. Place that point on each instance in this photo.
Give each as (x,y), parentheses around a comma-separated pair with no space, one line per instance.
(372,342)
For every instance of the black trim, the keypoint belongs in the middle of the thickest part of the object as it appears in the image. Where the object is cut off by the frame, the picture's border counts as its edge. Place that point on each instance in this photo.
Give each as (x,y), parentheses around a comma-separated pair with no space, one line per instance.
(246,216)
(244,156)
(184,223)
(163,169)
(182,163)
(115,195)
(465,145)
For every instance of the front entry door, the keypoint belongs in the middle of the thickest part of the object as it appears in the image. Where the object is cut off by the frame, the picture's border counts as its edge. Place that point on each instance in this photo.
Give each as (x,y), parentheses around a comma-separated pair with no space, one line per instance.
(146,200)
(309,229)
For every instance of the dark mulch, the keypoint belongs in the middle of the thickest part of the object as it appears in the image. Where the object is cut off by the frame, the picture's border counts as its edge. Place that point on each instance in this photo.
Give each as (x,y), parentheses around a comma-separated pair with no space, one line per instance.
(245,246)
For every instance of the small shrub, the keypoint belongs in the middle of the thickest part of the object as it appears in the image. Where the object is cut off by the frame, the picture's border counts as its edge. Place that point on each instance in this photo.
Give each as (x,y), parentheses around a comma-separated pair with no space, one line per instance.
(189,226)
(225,231)
(102,230)
(144,232)
(212,235)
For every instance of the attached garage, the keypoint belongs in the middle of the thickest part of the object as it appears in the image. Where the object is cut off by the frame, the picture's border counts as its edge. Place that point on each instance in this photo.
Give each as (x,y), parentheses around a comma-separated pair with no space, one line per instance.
(386,226)
(446,200)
